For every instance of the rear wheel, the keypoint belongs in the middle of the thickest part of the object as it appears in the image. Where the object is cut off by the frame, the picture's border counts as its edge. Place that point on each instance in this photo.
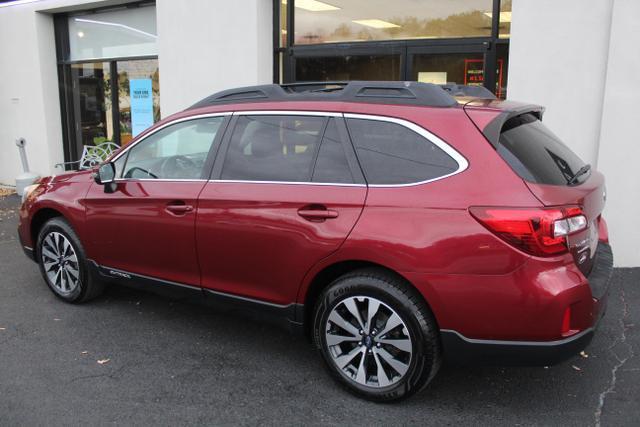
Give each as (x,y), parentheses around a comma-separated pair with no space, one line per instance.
(376,335)
(63,263)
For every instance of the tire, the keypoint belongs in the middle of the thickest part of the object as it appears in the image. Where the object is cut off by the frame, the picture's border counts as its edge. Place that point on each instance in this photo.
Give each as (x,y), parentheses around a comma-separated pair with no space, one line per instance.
(61,258)
(394,368)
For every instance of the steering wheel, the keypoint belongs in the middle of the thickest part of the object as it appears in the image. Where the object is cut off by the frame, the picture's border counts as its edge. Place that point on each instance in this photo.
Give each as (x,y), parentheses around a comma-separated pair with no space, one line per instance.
(136,172)
(178,167)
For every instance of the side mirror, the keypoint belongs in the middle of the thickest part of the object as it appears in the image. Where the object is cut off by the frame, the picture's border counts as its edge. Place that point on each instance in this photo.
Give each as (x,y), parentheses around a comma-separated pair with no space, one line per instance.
(106,174)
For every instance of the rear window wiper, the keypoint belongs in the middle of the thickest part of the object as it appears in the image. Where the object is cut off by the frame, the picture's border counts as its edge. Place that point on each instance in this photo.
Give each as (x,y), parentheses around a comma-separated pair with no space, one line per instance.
(586,168)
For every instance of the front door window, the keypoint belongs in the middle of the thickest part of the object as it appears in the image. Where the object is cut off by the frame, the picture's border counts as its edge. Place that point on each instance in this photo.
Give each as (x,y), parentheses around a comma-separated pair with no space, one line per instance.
(179,151)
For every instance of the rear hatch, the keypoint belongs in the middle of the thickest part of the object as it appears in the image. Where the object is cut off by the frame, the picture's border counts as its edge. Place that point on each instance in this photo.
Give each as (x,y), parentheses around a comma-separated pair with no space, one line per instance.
(554,174)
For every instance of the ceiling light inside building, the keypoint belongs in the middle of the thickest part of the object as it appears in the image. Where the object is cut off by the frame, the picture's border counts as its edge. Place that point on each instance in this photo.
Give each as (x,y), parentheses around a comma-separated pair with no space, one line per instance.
(375,23)
(313,5)
(116,24)
(80,34)
(504,16)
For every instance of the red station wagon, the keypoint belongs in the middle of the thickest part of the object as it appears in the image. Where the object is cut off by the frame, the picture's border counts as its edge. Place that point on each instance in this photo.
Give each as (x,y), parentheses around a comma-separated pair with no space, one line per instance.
(396,223)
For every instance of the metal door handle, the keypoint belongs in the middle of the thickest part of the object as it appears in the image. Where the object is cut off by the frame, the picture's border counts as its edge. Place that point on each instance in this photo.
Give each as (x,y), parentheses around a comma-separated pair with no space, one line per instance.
(179,209)
(317,214)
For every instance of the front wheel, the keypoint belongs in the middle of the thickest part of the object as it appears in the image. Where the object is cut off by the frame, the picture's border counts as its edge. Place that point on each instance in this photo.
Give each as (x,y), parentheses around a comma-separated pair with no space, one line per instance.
(376,335)
(63,263)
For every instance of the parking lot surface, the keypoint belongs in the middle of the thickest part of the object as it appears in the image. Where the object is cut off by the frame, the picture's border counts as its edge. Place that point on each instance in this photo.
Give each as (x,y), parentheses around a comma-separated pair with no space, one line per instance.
(133,358)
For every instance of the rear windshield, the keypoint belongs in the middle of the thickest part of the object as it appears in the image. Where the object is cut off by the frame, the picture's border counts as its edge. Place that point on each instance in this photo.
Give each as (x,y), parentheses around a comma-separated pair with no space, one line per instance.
(536,154)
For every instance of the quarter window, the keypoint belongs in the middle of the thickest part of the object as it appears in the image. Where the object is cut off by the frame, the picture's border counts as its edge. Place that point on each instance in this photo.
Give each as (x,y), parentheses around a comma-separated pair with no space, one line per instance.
(390,153)
(332,165)
(178,151)
(272,148)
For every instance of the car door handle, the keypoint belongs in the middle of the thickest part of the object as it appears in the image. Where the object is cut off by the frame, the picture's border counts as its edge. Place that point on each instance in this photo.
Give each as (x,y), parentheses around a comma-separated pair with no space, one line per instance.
(317,214)
(179,209)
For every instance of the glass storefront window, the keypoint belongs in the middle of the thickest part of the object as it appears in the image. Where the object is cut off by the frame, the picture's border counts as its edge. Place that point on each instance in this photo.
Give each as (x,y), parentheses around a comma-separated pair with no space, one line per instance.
(134,79)
(113,34)
(339,68)
(362,20)
(461,68)
(505,19)
(283,23)
(110,75)
(93,101)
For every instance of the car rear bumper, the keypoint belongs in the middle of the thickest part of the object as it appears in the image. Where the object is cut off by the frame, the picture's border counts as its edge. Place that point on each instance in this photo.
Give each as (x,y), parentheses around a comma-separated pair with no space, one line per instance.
(460,349)
(463,350)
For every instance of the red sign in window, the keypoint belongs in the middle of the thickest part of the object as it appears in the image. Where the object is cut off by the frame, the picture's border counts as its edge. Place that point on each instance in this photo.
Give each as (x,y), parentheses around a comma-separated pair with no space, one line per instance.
(474,74)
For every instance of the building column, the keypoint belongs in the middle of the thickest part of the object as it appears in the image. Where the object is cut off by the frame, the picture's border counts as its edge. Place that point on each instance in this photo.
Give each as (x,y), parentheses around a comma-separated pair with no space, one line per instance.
(205,46)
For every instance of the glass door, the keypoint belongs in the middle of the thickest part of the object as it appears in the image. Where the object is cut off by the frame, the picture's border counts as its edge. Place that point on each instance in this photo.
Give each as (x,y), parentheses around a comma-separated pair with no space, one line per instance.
(450,64)
(93,103)
(114,101)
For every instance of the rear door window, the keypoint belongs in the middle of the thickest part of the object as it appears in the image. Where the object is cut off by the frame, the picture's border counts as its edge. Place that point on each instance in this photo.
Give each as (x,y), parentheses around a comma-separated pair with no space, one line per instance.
(536,154)
(391,153)
(273,148)
(332,165)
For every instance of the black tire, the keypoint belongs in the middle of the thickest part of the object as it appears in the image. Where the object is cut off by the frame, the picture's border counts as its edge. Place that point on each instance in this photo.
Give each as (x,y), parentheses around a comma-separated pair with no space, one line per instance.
(399,296)
(87,287)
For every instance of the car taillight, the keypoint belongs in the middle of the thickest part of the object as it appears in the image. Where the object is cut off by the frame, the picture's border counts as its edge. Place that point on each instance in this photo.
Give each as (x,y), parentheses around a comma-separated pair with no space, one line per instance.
(537,231)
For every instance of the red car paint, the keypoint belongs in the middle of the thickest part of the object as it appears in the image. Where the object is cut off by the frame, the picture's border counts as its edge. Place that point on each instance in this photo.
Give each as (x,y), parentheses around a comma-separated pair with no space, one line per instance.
(247,239)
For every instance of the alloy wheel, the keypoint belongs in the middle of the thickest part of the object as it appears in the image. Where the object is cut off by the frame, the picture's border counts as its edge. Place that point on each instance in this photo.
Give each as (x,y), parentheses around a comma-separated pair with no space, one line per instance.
(60,263)
(368,341)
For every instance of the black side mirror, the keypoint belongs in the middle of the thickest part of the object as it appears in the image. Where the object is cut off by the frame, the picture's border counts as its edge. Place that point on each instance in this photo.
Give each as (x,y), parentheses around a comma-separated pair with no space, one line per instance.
(106,176)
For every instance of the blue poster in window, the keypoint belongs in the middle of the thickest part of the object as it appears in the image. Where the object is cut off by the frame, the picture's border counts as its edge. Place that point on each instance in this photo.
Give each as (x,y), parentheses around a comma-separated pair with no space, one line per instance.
(141,96)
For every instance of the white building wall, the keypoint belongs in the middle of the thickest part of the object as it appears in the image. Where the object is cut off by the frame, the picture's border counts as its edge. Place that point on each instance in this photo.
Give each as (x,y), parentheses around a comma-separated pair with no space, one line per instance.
(29,102)
(580,59)
(558,58)
(619,155)
(206,46)
(29,96)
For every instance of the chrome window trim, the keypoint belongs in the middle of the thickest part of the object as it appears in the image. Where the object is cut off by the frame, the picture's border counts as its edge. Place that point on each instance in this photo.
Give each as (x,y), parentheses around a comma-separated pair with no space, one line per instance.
(240,181)
(462,162)
(159,128)
(158,180)
(287,113)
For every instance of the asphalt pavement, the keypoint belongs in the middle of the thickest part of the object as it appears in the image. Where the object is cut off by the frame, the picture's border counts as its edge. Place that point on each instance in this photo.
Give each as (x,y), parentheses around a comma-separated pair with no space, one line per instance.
(133,358)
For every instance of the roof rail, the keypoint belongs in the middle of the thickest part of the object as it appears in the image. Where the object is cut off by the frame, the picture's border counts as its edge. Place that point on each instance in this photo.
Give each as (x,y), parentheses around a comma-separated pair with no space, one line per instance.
(468,90)
(381,92)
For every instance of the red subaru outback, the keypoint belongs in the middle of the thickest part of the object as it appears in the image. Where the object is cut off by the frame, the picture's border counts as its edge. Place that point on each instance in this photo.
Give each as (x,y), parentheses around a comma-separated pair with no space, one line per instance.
(396,223)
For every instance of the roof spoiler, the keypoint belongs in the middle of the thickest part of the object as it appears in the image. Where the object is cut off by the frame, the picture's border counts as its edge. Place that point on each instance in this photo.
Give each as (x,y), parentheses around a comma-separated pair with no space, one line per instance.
(491,124)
